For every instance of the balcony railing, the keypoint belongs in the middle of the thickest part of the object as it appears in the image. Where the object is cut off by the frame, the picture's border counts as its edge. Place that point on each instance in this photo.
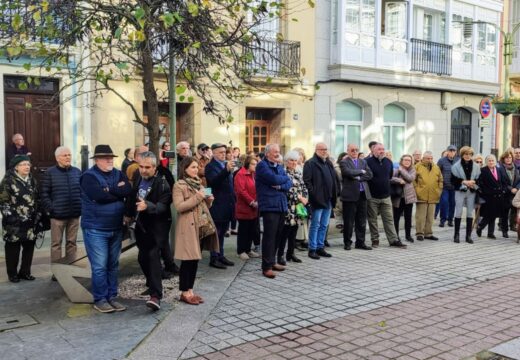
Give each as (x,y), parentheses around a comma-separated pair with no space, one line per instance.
(431,57)
(274,58)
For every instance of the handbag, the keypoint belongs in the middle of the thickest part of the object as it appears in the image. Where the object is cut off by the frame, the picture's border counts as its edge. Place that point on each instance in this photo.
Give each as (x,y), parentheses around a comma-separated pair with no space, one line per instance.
(206,227)
(301,211)
(396,190)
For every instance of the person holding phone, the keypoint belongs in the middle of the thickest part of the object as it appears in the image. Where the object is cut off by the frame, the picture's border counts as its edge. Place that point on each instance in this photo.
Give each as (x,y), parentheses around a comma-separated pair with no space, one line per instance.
(192,202)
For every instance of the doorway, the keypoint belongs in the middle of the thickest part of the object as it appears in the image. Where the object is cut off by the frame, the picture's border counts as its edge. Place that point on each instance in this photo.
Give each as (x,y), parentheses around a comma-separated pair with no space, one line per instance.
(263,126)
(460,127)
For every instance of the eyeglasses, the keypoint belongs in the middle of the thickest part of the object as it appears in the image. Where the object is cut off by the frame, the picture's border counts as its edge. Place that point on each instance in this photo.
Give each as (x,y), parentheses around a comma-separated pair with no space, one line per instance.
(478,162)
(322,149)
(354,150)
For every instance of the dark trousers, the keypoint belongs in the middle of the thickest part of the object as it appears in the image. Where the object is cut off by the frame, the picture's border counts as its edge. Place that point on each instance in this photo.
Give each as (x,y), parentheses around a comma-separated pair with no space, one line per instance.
(222,228)
(273,228)
(407,210)
(12,257)
(355,219)
(187,274)
(488,221)
(165,247)
(248,231)
(288,237)
(149,244)
(447,205)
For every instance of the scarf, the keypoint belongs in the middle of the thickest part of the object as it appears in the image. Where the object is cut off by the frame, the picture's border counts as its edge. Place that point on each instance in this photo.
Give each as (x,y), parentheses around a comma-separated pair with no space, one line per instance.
(193,182)
(458,171)
(510,171)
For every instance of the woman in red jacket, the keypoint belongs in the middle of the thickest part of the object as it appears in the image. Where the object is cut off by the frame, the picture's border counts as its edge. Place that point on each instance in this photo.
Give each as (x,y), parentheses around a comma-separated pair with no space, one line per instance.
(246,208)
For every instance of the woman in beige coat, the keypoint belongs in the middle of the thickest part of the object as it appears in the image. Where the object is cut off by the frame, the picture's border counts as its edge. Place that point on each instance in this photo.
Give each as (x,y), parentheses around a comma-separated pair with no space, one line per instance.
(191,203)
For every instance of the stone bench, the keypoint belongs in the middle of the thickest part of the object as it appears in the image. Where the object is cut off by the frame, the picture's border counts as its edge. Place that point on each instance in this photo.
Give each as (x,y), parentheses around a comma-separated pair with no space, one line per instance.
(67,272)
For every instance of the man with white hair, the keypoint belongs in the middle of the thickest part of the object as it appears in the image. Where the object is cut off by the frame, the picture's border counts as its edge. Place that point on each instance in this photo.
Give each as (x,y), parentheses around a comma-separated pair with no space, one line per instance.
(183,150)
(61,199)
(17,147)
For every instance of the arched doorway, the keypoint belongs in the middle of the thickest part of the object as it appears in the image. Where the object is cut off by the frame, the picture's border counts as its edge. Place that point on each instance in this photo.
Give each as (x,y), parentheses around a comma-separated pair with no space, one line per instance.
(460,128)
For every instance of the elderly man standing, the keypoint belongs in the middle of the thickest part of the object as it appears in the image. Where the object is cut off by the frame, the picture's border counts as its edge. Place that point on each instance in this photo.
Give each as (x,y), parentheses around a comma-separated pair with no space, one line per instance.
(61,199)
(354,194)
(428,186)
(103,191)
(183,150)
(322,183)
(380,201)
(219,176)
(447,202)
(417,155)
(272,185)
(149,203)
(17,147)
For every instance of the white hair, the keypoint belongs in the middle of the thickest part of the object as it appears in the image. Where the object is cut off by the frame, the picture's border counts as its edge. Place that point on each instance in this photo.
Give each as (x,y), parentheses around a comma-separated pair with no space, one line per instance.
(179,145)
(60,149)
(268,148)
(292,155)
(491,156)
(428,153)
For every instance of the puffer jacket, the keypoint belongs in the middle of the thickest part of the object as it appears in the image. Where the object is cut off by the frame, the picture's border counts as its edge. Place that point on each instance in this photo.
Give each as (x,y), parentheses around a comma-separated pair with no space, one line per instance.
(428,183)
(61,192)
(445,165)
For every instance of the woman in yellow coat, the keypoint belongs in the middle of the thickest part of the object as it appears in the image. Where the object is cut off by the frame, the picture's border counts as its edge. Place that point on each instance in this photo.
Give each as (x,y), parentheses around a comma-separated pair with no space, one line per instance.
(428,187)
(195,230)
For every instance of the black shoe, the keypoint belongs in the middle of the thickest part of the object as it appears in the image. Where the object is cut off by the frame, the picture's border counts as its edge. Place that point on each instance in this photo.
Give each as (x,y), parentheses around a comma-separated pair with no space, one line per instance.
(165,275)
(227,234)
(326,243)
(174,269)
(450,223)
(281,261)
(363,247)
(293,258)
(431,237)
(479,232)
(347,247)
(322,252)
(26,277)
(468,240)
(441,224)
(456,238)
(14,279)
(420,238)
(504,234)
(217,264)
(53,278)
(409,238)
(491,236)
(226,262)
(313,255)
(398,244)
(305,245)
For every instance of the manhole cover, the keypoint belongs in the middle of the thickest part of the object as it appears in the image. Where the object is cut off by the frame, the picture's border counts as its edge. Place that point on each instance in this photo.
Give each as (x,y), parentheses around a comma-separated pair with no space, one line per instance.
(13,322)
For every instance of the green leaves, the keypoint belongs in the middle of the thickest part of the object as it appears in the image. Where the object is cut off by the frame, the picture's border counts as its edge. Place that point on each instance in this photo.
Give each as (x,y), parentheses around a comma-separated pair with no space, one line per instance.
(122,65)
(168,20)
(16,22)
(27,66)
(180,89)
(139,15)
(311,3)
(193,9)
(13,51)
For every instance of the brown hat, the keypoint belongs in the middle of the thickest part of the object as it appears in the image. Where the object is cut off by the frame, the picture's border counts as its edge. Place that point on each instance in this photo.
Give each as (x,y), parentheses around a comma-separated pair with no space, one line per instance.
(103,151)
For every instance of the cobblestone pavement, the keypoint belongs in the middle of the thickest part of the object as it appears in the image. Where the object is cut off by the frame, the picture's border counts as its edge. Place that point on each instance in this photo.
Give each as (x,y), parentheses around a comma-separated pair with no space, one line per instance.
(368,302)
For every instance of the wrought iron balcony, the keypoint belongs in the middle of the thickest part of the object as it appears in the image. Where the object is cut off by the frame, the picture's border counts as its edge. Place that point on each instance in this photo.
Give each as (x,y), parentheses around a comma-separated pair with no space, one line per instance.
(274,58)
(431,57)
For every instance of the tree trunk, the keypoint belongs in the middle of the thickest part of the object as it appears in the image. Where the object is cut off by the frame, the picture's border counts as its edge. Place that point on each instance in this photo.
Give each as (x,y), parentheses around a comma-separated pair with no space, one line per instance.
(150,96)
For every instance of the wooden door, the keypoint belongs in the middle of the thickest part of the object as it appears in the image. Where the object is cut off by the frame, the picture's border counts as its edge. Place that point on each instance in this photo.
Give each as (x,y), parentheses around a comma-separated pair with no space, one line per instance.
(257,135)
(37,118)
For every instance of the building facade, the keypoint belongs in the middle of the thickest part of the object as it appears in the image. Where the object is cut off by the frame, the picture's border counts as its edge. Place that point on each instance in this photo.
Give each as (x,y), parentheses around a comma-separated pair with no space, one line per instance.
(410,74)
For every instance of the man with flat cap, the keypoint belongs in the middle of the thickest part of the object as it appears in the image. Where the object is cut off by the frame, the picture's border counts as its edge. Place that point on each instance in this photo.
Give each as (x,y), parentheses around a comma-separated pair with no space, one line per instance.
(219,176)
(103,191)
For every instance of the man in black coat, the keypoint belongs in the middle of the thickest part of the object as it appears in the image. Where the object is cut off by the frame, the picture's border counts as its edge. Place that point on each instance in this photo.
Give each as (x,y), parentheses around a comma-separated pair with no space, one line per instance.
(219,176)
(320,179)
(149,203)
(354,194)
(61,199)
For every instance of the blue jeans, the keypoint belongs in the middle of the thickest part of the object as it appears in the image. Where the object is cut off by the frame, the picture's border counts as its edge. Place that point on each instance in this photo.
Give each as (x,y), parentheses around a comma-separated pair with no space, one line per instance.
(103,250)
(318,229)
(447,205)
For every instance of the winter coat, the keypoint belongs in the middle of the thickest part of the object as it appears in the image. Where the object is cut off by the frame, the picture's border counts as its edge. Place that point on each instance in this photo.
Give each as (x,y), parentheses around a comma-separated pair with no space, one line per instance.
(187,243)
(321,182)
(272,185)
(445,165)
(61,192)
(512,182)
(492,191)
(158,201)
(409,195)
(220,180)
(382,172)
(245,191)
(428,183)
(297,189)
(19,205)
(102,199)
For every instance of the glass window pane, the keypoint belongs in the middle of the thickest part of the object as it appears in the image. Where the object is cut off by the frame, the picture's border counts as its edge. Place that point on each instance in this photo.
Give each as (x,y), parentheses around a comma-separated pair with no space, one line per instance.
(353,135)
(348,111)
(368,11)
(394,114)
(256,141)
(395,20)
(340,145)
(352,14)
(387,137)
(397,141)
(256,131)
(428,27)
(263,131)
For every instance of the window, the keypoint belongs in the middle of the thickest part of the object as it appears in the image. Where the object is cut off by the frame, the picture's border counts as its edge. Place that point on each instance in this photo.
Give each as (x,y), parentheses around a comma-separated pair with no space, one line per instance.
(349,117)
(486,44)
(429,25)
(394,19)
(462,34)
(394,130)
(360,22)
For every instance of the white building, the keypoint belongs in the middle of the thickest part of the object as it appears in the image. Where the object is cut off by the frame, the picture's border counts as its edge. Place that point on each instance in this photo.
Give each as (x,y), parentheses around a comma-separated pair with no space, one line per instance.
(408,73)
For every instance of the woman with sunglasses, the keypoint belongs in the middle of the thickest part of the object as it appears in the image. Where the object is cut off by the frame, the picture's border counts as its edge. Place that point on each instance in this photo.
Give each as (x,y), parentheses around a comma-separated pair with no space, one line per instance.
(464,175)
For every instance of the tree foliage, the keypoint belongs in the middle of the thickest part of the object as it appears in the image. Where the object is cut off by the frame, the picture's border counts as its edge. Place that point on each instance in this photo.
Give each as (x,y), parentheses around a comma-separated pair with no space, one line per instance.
(102,41)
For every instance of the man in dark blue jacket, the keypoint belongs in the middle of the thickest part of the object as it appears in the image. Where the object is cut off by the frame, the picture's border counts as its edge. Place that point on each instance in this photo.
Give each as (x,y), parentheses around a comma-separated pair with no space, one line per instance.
(272,185)
(447,203)
(61,199)
(219,176)
(103,191)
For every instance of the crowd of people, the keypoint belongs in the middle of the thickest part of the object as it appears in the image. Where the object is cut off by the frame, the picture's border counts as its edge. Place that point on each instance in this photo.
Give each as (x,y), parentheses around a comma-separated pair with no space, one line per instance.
(274,204)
